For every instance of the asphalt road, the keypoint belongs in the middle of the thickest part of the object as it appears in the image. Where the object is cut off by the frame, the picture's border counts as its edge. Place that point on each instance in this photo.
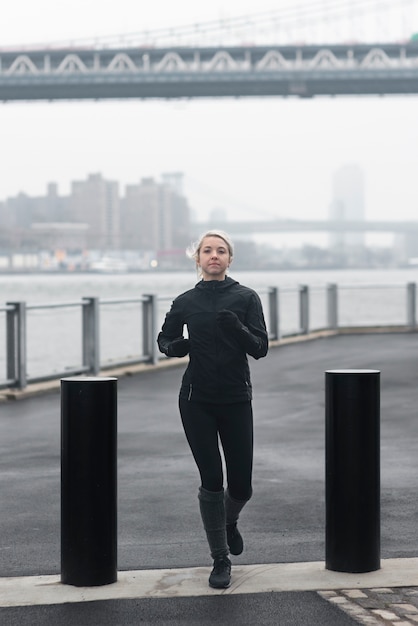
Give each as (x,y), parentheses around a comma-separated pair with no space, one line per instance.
(158,519)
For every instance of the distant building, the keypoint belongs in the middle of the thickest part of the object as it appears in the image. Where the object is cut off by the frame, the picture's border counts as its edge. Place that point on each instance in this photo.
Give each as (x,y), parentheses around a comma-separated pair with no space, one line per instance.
(16,218)
(174,180)
(6,231)
(180,214)
(20,210)
(96,202)
(156,216)
(152,217)
(140,216)
(347,204)
(60,235)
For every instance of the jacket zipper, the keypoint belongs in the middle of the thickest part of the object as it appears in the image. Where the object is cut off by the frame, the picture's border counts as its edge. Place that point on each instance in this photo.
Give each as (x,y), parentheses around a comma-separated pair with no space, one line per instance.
(215,303)
(190,393)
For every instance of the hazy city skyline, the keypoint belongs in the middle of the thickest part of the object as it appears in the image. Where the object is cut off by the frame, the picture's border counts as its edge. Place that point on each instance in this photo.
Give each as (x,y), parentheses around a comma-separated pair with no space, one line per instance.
(99,227)
(257,157)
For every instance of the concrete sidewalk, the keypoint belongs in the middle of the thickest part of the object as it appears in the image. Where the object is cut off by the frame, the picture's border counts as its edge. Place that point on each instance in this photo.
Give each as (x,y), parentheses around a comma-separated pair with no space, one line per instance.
(158,518)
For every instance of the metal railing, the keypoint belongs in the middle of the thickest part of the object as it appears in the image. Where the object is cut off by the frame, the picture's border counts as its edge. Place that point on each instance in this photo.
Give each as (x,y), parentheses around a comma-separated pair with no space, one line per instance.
(289,311)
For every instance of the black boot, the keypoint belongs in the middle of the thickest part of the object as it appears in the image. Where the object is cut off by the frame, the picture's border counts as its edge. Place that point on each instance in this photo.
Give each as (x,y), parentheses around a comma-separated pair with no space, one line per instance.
(220,576)
(234,539)
(232,510)
(212,510)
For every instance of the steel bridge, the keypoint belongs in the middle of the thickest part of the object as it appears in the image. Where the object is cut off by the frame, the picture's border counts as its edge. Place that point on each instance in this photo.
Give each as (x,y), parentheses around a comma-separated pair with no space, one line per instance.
(199,72)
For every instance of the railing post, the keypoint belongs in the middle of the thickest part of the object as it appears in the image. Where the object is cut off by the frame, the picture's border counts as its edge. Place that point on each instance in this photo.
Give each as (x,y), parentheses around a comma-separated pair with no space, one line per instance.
(274,315)
(16,344)
(88,481)
(352,470)
(411,305)
(332,306)
(304,308)
(149,327)
(91,335)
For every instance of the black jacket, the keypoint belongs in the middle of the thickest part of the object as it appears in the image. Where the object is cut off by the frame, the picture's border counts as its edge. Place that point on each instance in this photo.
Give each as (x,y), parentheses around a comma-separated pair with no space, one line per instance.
(218,368)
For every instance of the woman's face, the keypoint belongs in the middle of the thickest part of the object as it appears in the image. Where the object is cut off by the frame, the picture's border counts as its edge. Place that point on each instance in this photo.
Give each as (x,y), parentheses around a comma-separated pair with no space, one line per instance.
(214,258)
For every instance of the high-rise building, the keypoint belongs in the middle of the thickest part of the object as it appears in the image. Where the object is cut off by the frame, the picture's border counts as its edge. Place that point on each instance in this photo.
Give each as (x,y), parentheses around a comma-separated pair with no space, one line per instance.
(174,180)
(347,204)
(95,201)
(140,216)
(155,216)
(177,211)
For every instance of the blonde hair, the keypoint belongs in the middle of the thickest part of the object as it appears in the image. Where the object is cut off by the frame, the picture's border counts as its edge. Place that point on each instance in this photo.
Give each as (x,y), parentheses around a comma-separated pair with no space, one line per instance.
(193,251)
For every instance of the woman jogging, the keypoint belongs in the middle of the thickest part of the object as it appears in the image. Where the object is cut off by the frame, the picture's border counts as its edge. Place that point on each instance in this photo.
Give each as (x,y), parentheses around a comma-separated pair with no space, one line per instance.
(225,322)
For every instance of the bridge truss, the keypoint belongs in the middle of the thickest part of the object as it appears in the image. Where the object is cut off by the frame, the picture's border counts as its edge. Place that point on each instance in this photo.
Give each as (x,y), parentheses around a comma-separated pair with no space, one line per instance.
(196,72)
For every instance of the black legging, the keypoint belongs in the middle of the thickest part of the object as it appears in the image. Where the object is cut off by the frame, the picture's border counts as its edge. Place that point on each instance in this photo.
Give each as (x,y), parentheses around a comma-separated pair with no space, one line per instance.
(234,422)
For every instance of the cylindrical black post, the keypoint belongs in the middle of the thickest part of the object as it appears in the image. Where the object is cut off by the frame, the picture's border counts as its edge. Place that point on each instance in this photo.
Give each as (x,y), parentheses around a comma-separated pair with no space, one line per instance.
(352,470)
(88,481)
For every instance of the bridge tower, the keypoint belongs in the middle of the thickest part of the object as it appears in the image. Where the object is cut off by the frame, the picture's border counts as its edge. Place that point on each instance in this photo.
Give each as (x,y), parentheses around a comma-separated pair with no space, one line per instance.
(347,204)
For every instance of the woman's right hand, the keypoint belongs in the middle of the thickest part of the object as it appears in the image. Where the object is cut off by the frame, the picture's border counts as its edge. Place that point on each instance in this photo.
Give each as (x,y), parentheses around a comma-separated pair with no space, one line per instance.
(179,347)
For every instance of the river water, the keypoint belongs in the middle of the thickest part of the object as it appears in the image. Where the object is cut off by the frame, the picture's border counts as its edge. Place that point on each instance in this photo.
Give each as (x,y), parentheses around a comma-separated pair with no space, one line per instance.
(54,335)
(37,288)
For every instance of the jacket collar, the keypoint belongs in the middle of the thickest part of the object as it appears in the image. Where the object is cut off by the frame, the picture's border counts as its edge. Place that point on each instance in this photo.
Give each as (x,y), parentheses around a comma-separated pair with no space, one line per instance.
(217,284)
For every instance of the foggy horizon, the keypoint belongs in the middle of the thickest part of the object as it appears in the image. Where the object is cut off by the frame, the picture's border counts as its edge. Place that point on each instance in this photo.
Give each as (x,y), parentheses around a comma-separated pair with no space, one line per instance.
(270,155)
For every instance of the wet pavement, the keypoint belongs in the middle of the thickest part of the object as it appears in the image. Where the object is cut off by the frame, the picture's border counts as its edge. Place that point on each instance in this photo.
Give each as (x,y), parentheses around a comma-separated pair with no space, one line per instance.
(159,527)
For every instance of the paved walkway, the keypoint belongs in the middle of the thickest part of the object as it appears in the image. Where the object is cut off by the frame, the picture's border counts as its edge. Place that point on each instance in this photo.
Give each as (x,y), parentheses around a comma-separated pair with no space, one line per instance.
(280,578)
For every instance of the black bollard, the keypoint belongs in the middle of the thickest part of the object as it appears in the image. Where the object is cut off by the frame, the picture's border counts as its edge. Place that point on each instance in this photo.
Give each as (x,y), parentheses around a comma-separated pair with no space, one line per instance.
(88,481)
(352,470)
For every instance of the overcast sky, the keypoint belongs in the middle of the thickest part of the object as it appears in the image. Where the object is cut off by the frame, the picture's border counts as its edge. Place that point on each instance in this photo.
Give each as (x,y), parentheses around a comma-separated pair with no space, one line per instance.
(267,157)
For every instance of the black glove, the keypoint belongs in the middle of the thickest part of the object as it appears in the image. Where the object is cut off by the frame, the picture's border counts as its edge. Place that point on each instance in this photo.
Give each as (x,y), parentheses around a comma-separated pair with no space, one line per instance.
(228,320)
(178,347)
